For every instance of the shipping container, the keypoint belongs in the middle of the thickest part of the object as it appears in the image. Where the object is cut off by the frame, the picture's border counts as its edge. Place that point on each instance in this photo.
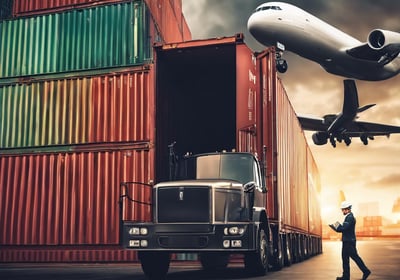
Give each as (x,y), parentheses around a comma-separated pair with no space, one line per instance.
(166,15)
(117,107)
(29,7)
(52,201)
(94,38)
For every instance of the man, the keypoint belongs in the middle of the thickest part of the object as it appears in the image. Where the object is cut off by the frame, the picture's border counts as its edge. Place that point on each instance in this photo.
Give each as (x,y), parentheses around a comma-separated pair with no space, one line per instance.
(349,249)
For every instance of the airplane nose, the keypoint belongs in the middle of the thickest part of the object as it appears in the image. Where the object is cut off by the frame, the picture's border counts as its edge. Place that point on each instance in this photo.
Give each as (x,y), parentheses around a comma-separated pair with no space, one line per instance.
(254,25)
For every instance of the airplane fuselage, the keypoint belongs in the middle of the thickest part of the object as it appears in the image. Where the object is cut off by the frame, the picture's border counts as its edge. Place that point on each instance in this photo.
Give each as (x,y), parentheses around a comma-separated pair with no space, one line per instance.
(316,40)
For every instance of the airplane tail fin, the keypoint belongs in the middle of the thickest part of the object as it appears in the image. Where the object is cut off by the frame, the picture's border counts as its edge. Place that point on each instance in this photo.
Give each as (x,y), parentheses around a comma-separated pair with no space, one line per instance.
(350,102)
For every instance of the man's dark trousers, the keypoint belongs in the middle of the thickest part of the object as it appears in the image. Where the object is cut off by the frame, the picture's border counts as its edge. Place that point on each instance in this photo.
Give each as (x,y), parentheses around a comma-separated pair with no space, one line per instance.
(349,251)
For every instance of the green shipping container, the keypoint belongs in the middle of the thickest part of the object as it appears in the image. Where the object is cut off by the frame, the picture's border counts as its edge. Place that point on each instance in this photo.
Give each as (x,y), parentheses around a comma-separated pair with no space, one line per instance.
(100,37)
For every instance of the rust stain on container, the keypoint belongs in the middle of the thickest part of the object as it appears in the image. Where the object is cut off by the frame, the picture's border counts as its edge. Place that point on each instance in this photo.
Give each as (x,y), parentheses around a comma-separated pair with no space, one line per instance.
(109,108)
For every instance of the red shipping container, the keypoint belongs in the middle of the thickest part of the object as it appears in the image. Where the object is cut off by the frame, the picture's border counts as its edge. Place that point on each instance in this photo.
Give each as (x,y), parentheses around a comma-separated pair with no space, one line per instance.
(29,7)
(70,199)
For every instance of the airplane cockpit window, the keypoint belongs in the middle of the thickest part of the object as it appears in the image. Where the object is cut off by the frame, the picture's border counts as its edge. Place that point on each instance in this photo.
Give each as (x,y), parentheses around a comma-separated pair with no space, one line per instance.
(264,8)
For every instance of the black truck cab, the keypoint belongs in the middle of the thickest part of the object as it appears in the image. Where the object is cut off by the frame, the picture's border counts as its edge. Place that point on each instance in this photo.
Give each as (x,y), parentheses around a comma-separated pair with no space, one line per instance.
(214,207)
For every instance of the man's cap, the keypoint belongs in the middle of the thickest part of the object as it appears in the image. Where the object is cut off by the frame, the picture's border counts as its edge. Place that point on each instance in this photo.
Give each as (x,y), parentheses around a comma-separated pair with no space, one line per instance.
(345,204)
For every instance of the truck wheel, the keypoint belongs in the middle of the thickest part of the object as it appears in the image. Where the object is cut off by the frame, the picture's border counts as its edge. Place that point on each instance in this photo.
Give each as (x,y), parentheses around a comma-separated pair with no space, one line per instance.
(214,261)
(278,259)
(256,263)
(287,254)
(155,265)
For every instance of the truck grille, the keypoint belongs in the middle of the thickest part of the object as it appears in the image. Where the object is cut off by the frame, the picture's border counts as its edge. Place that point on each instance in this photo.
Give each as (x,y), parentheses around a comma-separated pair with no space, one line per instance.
(183,204)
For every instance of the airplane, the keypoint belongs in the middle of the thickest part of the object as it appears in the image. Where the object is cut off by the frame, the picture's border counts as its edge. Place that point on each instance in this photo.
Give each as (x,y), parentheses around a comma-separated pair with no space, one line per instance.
(289,27)
(343,126)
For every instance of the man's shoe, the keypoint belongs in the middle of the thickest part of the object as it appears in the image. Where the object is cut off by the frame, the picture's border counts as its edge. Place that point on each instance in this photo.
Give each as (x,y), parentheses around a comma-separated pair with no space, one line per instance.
(342,278)
(366,274)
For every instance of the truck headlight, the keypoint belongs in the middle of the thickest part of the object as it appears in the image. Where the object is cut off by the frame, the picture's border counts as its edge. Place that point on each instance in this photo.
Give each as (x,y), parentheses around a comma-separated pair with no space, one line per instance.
(138,231)
(234,230)
(134,231)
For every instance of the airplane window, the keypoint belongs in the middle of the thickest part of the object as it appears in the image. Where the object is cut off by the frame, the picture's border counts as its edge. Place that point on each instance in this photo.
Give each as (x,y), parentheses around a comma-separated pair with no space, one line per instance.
(264,8)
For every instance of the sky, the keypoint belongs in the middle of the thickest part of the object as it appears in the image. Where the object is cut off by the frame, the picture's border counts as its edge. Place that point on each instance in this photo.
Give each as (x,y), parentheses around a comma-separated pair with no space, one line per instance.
(365,174)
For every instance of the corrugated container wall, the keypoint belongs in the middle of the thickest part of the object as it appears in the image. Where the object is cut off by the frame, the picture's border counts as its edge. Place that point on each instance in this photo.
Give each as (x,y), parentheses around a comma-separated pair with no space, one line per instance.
(292,166)
(166,15)
(87,39)
(70,199)
(314,192)
(169,20)
(107,108)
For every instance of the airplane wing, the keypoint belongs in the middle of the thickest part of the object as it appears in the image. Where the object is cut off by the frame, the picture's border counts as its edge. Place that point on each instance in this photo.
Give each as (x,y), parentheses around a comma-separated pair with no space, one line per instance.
(357,129)
(365,52)
(312,123)
(381,55)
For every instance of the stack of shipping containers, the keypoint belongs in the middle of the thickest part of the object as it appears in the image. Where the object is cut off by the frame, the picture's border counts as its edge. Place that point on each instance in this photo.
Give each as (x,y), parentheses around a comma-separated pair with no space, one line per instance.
(77,103)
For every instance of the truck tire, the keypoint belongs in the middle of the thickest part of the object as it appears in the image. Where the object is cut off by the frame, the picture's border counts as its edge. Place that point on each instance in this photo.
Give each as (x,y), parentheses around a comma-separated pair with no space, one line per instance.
(214,261)
(287,254)
(256,263)
(278,258)
(155,265)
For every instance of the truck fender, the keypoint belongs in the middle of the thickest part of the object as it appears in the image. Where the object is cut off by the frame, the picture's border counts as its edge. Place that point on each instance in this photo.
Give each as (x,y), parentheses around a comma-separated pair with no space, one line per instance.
(260,217)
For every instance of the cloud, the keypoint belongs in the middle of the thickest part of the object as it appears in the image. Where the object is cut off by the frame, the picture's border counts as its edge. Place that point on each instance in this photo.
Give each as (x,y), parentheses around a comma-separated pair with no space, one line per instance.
(391,180)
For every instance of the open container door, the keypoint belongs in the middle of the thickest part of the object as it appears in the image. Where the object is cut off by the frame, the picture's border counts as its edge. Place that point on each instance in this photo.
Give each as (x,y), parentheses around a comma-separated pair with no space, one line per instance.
(195,98)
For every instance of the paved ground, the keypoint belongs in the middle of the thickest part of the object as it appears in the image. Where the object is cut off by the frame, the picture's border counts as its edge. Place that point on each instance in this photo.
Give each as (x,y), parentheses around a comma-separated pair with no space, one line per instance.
(382,257)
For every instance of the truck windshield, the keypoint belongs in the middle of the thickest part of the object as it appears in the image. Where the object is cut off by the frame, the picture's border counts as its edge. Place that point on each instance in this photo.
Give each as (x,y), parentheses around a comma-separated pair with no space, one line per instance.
(238,167)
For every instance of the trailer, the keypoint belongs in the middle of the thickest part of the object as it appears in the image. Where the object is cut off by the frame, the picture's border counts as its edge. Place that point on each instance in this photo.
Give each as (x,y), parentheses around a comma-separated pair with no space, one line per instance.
(233,171)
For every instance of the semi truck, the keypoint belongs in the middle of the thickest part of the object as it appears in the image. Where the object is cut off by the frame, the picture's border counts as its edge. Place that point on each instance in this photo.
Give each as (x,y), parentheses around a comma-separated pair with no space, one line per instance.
(233,172)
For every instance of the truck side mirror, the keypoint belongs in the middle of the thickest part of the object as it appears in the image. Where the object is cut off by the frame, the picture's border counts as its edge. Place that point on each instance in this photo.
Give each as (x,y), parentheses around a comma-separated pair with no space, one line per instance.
(249,187)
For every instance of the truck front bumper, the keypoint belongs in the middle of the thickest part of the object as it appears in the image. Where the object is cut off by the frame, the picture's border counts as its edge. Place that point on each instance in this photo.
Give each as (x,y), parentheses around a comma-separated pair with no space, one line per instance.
(189,237)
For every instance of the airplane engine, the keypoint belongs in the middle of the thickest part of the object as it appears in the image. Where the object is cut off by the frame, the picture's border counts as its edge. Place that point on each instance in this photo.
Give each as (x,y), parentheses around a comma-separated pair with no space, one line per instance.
(320,138)
(378,39)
